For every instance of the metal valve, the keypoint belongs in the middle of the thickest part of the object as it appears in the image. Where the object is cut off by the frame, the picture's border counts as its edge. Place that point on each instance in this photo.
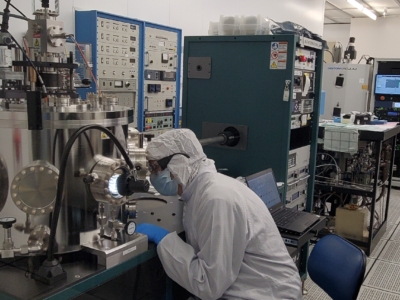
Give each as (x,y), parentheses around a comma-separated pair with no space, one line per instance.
(7,223)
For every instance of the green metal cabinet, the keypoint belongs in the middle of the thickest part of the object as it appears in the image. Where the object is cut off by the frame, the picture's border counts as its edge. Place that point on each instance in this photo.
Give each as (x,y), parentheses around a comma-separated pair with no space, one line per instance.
(240,81)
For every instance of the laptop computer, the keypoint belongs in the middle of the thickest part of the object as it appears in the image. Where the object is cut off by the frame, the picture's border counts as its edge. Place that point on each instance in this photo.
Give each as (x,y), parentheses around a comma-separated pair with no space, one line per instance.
(287,219)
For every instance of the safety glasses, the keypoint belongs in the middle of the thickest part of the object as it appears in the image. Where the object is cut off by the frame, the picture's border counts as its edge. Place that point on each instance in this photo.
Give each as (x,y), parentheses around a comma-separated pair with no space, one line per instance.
(162,163)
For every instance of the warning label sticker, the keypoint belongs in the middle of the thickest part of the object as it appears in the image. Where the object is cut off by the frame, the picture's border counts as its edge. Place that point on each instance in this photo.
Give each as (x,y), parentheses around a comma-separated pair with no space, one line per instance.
(104,136)
(278,55)
(36,42)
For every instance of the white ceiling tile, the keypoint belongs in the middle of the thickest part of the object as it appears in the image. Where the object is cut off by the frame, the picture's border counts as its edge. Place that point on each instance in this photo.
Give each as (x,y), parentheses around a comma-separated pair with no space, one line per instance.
(391,11)
(394,12)
(392,7)
(343,20)
(381,3)
(328,21)
(336,14)
(341,3)
(328,6)
(355,12)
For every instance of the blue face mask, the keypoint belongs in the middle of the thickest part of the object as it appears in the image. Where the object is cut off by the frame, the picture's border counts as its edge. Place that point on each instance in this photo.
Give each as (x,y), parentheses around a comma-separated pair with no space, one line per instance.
(163,183)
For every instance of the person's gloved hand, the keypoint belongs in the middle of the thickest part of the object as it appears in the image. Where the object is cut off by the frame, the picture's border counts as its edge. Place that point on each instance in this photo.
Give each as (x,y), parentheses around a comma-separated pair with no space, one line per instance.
(154,233)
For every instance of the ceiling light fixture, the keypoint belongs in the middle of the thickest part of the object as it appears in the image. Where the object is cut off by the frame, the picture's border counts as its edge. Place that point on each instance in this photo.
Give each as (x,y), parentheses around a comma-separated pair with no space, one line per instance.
(356,4)
(385,12)
(369,13)
(361,7)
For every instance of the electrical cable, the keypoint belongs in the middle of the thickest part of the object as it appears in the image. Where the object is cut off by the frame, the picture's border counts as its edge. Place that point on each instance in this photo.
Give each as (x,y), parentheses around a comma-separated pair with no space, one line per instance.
(337,166)
(9,2)
(364,56)
(33,66)
(329,156)
(26,46)
(333,58)
(61,177)
(55,145)
(87,64)
(17,17)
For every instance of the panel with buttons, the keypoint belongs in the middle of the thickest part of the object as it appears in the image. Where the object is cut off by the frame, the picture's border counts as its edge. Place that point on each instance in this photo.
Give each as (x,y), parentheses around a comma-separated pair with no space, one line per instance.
(161,61)
(118,59)
(305,59)
(158,121)
(298,175)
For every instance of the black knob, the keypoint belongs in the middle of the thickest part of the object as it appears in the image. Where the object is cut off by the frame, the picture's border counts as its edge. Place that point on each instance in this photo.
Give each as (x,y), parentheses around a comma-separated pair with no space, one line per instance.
(127,84)
(86,81)
(7,222)
(130,228)
(149,137)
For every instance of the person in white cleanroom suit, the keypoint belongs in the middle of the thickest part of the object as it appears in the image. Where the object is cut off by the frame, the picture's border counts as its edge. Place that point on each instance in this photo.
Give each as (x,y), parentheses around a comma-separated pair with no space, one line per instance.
(234,249)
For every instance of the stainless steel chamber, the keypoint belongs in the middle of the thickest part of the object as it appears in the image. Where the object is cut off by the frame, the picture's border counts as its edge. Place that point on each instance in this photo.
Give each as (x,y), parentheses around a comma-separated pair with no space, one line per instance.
(21,148)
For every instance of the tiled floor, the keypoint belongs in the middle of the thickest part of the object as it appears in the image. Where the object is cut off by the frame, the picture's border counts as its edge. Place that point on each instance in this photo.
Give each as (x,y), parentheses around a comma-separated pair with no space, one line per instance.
(382,280)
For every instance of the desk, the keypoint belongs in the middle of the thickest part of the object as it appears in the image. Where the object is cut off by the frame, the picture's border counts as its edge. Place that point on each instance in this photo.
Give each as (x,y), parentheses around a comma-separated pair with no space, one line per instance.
(84,275)
(379,134)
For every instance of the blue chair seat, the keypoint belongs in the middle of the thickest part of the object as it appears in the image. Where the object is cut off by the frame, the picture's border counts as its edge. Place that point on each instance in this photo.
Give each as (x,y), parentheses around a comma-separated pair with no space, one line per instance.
(338,267)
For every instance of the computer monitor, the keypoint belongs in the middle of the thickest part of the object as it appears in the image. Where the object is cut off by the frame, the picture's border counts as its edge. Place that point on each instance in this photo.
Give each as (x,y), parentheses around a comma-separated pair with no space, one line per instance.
(387,84)
(264,185)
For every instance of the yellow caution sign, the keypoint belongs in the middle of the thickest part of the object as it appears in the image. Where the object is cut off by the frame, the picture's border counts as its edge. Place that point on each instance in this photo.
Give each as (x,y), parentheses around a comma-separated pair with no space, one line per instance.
(104,136)
(37,43)
(273,65)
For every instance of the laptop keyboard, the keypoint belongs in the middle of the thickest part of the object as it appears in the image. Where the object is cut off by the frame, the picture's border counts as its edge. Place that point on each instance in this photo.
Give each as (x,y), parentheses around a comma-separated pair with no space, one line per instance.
(285,216)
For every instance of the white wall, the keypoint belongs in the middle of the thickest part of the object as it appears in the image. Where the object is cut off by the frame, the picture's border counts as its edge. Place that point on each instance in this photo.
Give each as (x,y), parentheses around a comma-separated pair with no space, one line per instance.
(337,33)
(378,38)
(193,16)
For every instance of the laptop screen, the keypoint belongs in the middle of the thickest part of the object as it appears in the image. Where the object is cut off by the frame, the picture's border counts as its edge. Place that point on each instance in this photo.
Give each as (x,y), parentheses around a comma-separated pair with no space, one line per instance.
(264,185)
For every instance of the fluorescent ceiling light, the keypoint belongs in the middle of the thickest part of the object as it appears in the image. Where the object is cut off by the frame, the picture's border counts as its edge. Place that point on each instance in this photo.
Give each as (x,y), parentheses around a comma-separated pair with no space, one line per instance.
(356,4)
(369,13)
(361,7)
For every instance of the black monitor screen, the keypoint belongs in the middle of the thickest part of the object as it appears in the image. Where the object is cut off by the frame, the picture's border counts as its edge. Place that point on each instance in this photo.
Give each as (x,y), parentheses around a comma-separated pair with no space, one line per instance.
(265,187)
(387,84)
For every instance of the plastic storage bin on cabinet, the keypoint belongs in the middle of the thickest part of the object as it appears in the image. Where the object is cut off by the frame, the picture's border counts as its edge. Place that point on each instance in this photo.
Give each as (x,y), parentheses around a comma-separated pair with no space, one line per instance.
(254,25)
(228,25)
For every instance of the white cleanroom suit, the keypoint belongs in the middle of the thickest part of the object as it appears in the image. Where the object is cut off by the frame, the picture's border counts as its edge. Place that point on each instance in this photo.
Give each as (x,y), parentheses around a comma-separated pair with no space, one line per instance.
(234,249)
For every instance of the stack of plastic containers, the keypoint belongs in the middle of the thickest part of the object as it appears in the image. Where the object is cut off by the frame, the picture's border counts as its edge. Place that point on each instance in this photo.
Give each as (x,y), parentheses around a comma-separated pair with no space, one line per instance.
(244,25)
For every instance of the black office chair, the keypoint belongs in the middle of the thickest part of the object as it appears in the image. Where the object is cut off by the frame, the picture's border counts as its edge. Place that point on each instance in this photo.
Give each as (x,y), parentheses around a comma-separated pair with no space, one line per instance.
(338,267)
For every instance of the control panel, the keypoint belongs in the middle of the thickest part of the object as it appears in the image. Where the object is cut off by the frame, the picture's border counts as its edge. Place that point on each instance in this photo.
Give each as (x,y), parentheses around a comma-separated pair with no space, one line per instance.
(390,114)
(302,106)
(158,121)
(137,61)
(118,59)
(298,174)
(300,120)
(305,59)
(303,88)
(160,75)
(303,82)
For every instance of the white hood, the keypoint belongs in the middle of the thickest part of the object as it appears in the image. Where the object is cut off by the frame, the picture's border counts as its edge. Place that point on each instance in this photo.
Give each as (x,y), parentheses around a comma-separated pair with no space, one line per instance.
(180,141)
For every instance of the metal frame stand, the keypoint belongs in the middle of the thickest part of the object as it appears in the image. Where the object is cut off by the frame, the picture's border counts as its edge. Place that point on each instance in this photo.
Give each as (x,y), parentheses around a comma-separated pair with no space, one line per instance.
(378,138)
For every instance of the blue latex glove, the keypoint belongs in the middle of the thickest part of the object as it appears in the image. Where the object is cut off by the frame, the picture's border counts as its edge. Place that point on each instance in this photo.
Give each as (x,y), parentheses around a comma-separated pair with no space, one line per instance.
(154,233)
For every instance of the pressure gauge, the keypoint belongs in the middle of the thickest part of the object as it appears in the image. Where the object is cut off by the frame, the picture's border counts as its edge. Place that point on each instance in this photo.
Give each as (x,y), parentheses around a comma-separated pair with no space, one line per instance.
(130,228)
(7,222)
